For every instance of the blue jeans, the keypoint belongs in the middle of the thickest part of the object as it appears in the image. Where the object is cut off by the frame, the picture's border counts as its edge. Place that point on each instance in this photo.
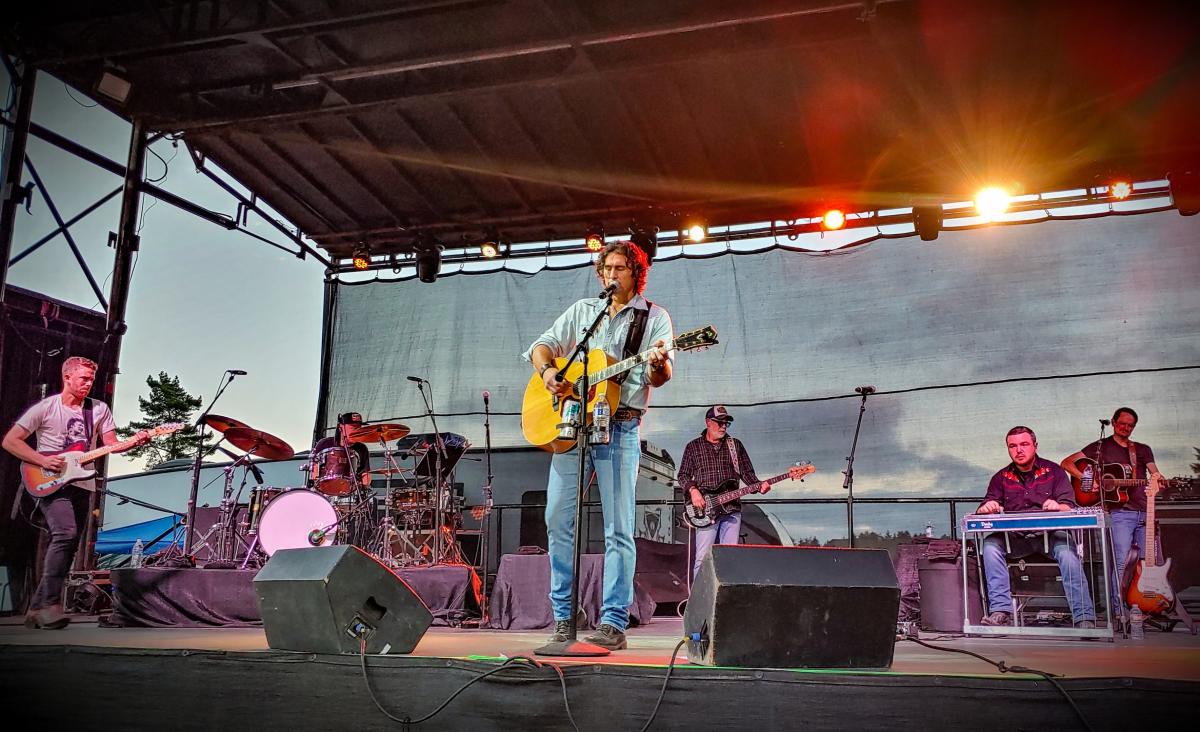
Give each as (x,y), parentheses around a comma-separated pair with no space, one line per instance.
(995,569)
(726,530)
(616,467)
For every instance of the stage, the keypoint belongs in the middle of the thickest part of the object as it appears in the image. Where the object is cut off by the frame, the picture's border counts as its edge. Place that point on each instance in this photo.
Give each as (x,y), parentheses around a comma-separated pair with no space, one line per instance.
(91,677)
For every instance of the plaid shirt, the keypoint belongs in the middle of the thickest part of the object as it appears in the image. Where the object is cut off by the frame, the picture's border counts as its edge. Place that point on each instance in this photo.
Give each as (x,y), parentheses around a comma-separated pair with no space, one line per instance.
(705,465)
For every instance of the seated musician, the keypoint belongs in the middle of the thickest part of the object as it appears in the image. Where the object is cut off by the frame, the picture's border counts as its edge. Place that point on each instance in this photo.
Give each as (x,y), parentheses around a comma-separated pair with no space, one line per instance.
(359,455)
(1031,483)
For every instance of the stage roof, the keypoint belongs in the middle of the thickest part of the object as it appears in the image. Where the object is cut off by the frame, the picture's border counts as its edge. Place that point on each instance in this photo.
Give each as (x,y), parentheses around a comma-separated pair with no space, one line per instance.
(362,120)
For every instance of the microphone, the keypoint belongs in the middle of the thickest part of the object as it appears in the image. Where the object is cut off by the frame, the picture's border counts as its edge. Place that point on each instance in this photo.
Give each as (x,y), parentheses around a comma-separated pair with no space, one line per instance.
(486,397)
(864,390)
(235,372)
(316,536)
(609,289)
(416,379)
(257,473)
(1105,422)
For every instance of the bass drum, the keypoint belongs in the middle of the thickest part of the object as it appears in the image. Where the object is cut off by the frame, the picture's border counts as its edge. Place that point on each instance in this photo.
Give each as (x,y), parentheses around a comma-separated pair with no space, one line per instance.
(297,520)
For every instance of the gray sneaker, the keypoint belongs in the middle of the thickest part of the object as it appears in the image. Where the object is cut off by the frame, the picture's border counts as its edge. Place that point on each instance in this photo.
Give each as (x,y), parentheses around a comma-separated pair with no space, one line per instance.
(606,636)
(997,618)
(561,629)
(1087,624)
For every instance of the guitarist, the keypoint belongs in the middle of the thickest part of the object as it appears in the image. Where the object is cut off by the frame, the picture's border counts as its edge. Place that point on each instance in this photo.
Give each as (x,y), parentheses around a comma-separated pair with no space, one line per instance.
(708,461)
(62,422)
(1128,520)
(615,464)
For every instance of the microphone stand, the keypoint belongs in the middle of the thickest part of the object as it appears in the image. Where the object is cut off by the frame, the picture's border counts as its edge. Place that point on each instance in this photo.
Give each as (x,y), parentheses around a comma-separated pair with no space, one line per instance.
(1116,602)
(572,646)
(486,525)
(200,453)
(848,483)
(439,449)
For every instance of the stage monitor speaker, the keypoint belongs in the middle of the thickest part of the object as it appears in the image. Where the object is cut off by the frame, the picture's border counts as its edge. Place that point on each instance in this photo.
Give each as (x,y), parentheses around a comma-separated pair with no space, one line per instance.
(325,599)
(793,607)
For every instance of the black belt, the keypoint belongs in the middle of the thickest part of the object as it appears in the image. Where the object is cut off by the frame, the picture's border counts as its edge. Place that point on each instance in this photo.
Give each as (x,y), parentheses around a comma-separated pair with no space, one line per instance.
(624,414)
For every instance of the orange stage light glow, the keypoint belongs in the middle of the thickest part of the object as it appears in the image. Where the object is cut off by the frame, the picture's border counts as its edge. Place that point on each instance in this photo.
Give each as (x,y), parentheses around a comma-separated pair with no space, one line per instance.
(833,219)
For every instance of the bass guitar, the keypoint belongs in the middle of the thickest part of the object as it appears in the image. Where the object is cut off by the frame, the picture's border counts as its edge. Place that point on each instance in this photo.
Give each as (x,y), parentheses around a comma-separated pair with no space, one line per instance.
(41,482)
(1149,589)
(717,500)
(542,412)
(1112,482)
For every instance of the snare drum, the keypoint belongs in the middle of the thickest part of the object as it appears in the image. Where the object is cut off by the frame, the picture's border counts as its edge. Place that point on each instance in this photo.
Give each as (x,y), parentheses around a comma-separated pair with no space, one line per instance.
(408,499)
(259,498)
(331,472)
(297,520)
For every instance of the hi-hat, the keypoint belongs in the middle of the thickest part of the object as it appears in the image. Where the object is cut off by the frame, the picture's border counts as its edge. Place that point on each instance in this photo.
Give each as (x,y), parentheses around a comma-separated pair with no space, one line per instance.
(390,471)
(379,433)
(221,423)
(257,442)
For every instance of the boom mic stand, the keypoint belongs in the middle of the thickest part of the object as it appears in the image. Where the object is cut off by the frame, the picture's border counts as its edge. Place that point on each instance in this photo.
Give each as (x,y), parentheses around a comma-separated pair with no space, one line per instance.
(1117,602)
(438,455)
(572,646)
(485,525)
(848,484)
(200,453)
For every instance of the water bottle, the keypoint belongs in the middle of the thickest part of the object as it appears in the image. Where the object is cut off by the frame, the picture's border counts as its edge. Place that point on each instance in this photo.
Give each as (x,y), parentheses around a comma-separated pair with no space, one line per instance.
(135,560)
(567,429)
(600,422)
(928,529)
(1137,623)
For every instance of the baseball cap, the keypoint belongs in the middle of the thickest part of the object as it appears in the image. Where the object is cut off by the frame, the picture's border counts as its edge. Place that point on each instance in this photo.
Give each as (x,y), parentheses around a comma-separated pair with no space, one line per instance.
(350,418)
(719,413)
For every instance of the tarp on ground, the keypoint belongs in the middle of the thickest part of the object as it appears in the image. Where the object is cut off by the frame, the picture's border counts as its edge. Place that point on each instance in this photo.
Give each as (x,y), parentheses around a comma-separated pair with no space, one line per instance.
(156,535)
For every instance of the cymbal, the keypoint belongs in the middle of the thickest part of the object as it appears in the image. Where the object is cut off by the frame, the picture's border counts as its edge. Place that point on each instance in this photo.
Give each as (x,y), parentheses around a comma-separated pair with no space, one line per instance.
(379,433)
(221,423)
(260,443)
(390,471)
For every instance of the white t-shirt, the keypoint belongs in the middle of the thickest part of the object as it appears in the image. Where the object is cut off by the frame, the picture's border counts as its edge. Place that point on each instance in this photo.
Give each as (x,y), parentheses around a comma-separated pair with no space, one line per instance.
(59,427)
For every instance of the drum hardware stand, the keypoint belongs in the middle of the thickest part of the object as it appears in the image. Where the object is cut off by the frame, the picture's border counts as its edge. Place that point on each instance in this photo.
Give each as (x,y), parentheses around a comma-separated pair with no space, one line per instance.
(572,646)
(485,523)
(189,534)
(848,483)
(381,541)
(227,533)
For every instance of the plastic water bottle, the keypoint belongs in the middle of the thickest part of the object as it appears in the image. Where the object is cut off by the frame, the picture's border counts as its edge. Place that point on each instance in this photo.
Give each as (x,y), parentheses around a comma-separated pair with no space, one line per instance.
(1137,623)
(928,529)
(135,560)
(601,414)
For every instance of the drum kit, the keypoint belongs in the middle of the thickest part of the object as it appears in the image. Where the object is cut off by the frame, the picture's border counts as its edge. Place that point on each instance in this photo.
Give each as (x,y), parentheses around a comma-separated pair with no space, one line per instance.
(412,522)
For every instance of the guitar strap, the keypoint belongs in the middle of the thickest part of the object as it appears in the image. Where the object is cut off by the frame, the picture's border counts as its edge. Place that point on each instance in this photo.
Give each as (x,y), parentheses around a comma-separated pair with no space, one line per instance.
(633,338)
(87,423)
(733,457)
(1133,459)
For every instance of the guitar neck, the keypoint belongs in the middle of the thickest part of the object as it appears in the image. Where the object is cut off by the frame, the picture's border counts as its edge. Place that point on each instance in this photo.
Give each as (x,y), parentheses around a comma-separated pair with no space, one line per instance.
(1151,559)
(739,492)
(621,367)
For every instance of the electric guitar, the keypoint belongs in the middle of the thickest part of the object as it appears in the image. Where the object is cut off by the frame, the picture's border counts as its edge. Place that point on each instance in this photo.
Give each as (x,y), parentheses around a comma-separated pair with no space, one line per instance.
(717,500)
(1113,483)
(542,412)
(41,482)
(1149,589)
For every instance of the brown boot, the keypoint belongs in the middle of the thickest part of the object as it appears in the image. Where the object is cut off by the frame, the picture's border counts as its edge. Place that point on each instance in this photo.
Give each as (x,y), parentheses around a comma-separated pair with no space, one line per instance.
(53,618)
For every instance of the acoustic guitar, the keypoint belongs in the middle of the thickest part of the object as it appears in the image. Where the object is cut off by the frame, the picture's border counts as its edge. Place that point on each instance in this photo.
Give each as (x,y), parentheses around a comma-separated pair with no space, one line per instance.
(1149,589)
(542,412)
(41,482)
(1112,481)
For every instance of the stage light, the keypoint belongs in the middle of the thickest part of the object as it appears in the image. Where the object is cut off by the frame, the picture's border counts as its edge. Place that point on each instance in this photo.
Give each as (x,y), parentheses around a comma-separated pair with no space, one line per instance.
(593,239)
(490,246)
(1120,189)
(429,259)
(927,220)
(697,232)
(114,86)
(991,202)
(1185,192)
(362,258)
(646,239)
(833,219)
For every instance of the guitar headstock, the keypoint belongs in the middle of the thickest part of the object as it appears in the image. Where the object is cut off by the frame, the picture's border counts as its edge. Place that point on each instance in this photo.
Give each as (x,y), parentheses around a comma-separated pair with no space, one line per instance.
(165,429)
(1152,486)
(699,338)
(801,469)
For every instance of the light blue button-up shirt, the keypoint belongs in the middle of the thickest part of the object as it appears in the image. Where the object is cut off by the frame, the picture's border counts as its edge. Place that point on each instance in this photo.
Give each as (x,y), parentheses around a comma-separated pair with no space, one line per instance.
(568,329)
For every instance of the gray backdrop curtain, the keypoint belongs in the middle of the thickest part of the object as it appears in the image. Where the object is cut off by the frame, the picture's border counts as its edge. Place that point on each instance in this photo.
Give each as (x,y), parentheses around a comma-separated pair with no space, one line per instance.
(799,331)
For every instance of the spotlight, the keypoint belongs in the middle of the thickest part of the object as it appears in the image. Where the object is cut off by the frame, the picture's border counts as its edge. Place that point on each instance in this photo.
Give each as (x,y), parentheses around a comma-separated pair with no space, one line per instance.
(697,232)
(429,259)
(833,219)
(991,202)
(1120,189)
(490,246)
(362,258)
(927,220)
(646,239)
(594,238)
(1185,192)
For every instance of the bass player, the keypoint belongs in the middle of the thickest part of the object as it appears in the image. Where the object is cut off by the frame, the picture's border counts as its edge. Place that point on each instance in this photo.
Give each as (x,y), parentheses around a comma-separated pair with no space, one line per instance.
(62,422)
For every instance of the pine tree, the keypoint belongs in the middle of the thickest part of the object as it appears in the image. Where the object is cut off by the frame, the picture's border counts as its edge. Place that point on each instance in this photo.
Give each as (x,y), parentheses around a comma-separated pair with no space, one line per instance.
(168,402)
(1196,465)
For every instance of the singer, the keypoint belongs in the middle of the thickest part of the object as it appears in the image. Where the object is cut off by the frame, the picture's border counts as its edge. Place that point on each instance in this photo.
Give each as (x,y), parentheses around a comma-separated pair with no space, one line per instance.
(616,463)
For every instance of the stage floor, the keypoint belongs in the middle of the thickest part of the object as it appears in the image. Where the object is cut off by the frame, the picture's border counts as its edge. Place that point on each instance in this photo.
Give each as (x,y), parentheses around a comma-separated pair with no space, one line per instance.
(1168,656)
